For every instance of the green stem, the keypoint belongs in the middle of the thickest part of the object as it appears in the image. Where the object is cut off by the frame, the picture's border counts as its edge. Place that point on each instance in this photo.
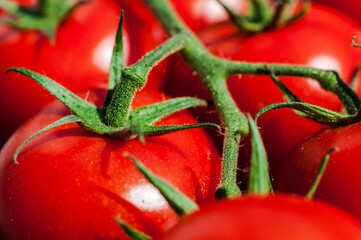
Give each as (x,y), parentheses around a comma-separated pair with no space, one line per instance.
(213,78)
(329,80)
(260,9)
(134,78)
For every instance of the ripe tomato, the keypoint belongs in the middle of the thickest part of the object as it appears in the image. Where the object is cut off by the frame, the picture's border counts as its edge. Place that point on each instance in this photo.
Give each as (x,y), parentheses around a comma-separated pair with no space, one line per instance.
(197,14)
(70,183)
(258,218)
(341,181)
(350,7)
(79,59)
(311,41)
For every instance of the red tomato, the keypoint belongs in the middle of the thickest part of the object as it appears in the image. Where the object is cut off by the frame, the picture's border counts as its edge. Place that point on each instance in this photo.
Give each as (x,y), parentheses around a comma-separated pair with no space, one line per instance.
(311,41)
(70,183)
(197,14)
(275,217)
(341,181)
(79,59)
(350,7)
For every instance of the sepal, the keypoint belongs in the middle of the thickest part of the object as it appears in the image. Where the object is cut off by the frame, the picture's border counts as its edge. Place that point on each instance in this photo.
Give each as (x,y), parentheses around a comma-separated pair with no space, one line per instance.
(131,232)
(259,180)
(62,121)
(314,113)
(180,203)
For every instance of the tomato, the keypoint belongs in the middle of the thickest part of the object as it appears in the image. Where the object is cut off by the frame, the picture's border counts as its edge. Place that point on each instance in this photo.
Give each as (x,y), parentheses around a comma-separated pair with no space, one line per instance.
(260,218)
(340,183)
(350,7)
(311,41)
(197,14)
(79,59)
(70,183)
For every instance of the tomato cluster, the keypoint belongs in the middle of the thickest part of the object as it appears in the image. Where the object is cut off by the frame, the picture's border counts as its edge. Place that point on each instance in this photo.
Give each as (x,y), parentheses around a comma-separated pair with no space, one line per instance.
(70,182)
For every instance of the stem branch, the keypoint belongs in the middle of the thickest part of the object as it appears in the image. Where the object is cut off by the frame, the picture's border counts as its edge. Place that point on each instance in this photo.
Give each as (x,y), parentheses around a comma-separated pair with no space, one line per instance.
(134,78)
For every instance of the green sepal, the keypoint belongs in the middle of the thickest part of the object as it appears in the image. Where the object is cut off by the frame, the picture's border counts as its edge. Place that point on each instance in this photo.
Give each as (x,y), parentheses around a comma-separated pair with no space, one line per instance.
(150,131)
(92,118)
(262,17)
(180,203)
(62,121)
(320,173)
(150,114)
(75,6)
(352,103)
(89,113)
(11,7)
(260,10)
(116,63)
(46,17)
(286,92)
(135,128)
(244,23)
(131,232)
(145,116)
(314,113)
(306,6)
(259,180)
(274,20)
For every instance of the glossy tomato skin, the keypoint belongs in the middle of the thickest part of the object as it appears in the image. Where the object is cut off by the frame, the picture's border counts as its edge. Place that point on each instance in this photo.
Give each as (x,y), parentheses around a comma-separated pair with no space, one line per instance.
(70,183)
(196,14)
(78,59)
(311,41)
(341,181)
(350,7)
(259,218)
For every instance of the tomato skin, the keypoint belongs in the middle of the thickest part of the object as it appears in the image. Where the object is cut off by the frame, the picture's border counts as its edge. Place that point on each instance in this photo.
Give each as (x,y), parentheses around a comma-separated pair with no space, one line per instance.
(196,14)
(70,183)
(259,218)
(311,41)
(340,183)
(350,7)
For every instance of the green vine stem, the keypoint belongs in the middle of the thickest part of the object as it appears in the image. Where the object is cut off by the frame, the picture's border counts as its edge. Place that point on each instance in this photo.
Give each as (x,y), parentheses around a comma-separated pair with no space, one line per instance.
(328,79)
(134,78)
(214,71)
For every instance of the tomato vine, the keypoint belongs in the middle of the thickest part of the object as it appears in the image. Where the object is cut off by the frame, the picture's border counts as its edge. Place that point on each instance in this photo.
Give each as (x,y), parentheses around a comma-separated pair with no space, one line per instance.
(214,71)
